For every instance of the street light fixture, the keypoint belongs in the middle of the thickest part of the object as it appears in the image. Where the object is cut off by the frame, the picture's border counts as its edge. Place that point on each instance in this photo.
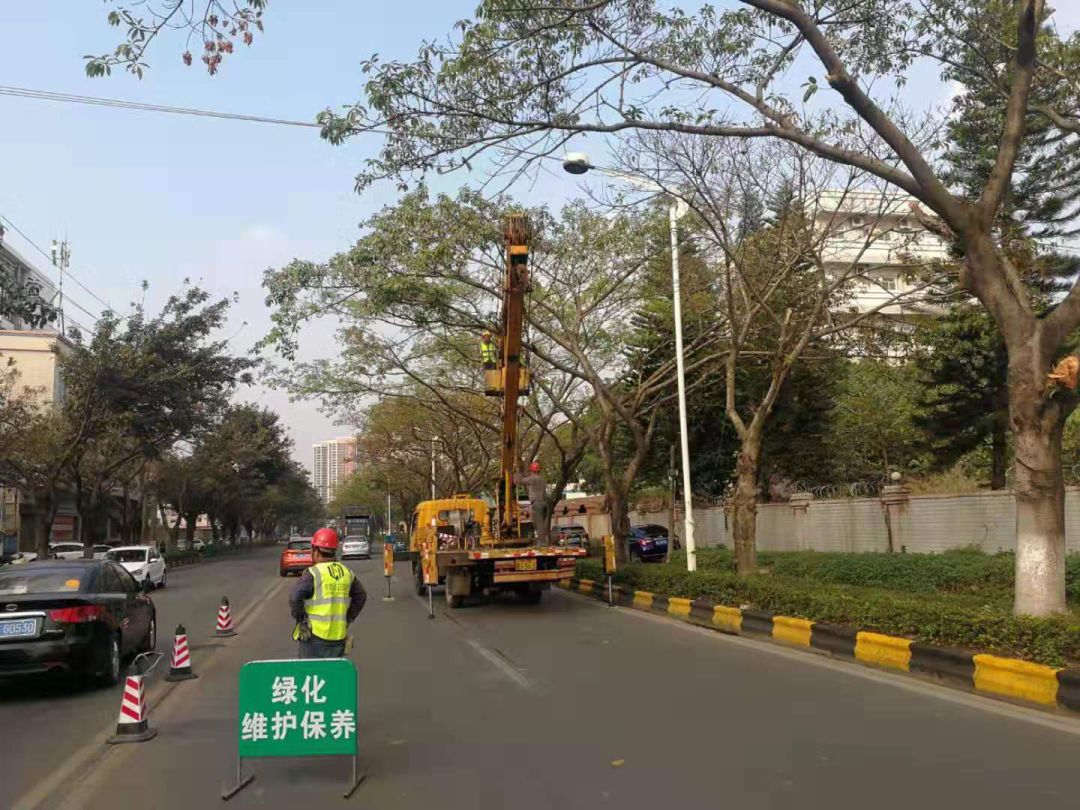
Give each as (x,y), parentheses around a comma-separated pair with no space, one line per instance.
(577,163)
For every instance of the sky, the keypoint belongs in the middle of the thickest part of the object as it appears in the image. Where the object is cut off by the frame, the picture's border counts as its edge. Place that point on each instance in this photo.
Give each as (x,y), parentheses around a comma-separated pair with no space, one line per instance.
(144,196)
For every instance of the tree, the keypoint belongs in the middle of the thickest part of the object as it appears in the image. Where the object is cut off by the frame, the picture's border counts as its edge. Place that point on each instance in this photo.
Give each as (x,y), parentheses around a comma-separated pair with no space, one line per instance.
(23,302)
(876,402)
(522,80)
(426,281)
(964,400)
(137,386)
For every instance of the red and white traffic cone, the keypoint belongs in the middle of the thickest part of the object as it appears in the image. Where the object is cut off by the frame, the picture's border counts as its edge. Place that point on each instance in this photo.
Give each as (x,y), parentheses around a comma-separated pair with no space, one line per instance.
(133,724)
(224,620)
(180,670)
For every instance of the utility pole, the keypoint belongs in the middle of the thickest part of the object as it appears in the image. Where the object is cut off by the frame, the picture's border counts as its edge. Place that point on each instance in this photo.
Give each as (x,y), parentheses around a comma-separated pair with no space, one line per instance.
(433,440)
(673,481)
(61,258)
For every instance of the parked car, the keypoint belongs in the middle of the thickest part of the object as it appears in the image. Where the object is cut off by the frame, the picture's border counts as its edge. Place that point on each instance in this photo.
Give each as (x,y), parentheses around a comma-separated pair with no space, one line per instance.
(401,545)
(295,557)
(66,551)
(648,543)
(199,545)
(80,616)
(101,550)
(355,546)
(145,563)
(572,535)
(18,558)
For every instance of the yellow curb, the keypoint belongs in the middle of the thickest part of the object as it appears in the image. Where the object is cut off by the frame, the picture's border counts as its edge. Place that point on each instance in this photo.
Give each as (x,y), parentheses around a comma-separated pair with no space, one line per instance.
(643,600)
(566,583)
(884,651)
(1015,678)
(727,618)
(585,585)
(677,606)
(792,630)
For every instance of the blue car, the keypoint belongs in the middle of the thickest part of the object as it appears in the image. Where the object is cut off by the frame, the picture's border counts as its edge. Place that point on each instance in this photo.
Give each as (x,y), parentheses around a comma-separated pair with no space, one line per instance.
(648,543)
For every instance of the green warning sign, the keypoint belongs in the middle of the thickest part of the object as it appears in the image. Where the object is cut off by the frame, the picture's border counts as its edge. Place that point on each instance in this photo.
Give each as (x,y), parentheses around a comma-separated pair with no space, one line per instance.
(297,708)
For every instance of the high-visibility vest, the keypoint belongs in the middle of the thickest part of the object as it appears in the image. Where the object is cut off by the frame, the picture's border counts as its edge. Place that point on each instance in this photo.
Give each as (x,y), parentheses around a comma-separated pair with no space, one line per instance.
(329,601)
(487,351)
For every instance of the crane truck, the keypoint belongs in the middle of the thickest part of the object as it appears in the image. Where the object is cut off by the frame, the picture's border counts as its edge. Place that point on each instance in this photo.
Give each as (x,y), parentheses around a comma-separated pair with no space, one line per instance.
(480,549)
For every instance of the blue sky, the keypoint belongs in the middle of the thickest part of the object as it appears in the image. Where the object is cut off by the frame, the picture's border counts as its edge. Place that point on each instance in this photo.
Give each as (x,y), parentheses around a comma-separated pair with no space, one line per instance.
(156,197)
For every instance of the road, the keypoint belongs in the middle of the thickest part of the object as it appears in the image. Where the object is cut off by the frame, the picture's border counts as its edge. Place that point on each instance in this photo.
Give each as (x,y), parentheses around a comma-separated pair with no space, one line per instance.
(568,704)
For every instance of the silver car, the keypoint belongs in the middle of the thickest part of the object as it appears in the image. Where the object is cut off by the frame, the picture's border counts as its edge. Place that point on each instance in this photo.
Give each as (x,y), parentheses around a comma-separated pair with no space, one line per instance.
(355,546)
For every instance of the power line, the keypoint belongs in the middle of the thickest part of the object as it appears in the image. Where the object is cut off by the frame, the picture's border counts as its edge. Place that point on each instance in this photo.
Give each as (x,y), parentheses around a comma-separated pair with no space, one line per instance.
(70,98)
(37,247)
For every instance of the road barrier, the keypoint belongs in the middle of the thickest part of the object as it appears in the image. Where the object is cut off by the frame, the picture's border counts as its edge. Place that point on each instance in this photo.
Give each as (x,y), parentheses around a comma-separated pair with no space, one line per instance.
(133,724)
(224,620)
(180,670)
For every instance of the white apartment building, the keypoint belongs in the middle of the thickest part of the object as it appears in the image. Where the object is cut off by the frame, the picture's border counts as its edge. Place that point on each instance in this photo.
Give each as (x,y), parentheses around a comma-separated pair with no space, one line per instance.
(332,462)
(877,236)
(16,267)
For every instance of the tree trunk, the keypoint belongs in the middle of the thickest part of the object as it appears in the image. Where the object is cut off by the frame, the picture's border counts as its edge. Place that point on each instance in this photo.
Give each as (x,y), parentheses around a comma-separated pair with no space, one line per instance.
(744,507)
(42,529)
(619,512)
(1038,420)
(172,532)
(189,528)
(999,447)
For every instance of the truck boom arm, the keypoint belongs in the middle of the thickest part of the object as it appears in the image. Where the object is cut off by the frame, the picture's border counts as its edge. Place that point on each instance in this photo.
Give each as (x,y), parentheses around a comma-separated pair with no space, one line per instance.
(515,285)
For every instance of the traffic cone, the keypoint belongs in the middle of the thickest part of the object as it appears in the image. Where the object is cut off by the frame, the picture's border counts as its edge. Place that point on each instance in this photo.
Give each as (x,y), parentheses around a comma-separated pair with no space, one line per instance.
(132,725)
(224,620)
(181,658)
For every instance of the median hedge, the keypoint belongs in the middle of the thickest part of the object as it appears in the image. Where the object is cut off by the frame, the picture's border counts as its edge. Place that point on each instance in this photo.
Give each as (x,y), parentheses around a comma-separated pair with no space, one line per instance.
(966,571)
(956,620)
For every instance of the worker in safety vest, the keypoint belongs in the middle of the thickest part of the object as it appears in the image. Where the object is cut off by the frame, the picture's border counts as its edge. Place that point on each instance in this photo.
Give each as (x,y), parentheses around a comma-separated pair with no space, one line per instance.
(489,354)
(325,600)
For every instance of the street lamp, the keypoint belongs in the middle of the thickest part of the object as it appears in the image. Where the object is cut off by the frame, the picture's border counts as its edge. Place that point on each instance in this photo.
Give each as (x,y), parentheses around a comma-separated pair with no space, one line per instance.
(577,163)
(433,440)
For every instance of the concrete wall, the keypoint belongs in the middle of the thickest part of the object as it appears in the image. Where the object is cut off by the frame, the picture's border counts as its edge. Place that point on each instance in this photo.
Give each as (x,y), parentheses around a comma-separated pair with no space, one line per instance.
(920,523)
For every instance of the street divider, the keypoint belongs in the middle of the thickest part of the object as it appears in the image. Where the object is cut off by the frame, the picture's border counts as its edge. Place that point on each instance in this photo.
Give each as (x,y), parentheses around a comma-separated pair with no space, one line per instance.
(989,675)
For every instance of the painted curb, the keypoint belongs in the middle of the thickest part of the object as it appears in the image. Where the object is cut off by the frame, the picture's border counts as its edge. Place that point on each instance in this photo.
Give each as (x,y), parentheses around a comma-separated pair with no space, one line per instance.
(990,675)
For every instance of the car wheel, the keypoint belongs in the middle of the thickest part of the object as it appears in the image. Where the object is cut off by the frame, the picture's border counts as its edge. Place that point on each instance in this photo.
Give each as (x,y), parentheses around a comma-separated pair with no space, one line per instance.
(149,643)
(164,574)
(418,577)
(281,572)
(107,669)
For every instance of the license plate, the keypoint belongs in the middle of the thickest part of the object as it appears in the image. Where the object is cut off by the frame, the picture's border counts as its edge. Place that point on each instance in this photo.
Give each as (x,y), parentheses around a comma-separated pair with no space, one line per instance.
(525,565)
(18,628)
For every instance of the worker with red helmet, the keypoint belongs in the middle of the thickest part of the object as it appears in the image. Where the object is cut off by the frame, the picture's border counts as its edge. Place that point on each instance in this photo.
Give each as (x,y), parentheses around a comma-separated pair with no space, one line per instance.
(325,600)
(536,488)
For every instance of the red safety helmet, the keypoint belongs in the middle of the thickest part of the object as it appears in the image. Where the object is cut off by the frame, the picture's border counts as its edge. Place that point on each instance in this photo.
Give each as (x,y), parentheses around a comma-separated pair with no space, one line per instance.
(325,538)
(534,467)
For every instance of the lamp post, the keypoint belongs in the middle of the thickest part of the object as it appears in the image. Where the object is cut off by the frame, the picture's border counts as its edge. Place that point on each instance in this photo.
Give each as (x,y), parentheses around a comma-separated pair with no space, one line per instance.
(433,440)
(578,163)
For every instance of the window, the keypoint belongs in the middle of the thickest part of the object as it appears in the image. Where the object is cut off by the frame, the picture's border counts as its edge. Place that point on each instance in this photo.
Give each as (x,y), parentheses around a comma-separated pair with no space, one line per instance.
(24,579)
(885,281)
(127,555)
(109,582)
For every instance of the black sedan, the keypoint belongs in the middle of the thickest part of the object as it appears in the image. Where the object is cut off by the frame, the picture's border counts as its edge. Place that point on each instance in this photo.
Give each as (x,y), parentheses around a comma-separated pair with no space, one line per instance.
(79,616)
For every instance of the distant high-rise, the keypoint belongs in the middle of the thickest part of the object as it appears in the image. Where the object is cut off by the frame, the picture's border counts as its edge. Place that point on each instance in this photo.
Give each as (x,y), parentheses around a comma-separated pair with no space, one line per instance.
(332,462)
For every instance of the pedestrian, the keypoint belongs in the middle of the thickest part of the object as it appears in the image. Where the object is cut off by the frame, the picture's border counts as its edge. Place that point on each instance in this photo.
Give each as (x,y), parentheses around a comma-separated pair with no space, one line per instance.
(489,354)
(536,488)
(325,601)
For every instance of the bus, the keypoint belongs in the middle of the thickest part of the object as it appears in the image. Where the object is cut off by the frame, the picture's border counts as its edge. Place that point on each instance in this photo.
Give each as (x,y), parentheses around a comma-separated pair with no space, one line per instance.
(358,522)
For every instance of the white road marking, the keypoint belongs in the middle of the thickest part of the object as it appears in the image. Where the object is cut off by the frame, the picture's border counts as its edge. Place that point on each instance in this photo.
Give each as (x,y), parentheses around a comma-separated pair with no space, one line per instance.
(500,663)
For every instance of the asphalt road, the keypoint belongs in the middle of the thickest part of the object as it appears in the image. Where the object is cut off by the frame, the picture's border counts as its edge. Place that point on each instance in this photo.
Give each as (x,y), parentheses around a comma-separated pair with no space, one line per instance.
(566,704)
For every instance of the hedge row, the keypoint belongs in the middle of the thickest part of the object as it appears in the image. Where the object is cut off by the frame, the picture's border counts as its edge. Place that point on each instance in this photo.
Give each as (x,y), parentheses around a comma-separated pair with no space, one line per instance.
(960,572)
(950,620)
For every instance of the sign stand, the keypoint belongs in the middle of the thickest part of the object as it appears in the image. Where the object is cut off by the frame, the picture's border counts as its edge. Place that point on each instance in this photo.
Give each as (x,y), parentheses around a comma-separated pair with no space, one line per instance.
(609,566)
(388,568)
(430,569)
(297,708)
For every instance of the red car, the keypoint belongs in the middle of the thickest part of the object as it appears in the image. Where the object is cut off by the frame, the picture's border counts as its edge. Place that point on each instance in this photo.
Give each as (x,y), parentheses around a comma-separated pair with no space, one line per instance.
(295,557)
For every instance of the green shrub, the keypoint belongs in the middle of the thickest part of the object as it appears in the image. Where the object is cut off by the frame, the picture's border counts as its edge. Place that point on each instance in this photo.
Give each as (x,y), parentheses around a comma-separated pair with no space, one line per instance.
(958,620)
(172,557)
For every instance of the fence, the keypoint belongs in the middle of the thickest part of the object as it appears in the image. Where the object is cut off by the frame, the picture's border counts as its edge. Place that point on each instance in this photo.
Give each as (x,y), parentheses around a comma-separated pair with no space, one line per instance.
(917,523)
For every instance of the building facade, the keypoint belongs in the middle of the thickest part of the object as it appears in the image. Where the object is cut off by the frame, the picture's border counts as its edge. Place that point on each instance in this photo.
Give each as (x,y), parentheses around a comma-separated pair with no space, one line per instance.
(332,462)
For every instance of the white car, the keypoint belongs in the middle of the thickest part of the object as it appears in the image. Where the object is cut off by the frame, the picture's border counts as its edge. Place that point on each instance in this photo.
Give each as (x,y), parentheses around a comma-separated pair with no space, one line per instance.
(355,546)
(66,551)
(101,550)
(145,563)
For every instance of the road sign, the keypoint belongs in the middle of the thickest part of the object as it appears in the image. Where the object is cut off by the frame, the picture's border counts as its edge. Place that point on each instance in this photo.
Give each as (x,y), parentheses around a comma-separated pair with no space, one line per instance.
(296,708)
(429,564)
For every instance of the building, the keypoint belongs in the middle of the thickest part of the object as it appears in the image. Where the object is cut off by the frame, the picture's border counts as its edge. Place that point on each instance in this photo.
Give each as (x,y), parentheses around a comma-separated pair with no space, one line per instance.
(332,462)
(875,239)
(35,355)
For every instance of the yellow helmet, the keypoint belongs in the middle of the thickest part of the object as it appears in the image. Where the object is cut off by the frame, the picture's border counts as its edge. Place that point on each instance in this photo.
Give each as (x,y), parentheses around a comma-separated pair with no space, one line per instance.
(487,334)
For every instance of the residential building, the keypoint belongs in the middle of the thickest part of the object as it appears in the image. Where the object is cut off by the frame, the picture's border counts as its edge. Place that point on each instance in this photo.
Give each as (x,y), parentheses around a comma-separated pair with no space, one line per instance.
(332,462)
(21,271)
(877,240)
